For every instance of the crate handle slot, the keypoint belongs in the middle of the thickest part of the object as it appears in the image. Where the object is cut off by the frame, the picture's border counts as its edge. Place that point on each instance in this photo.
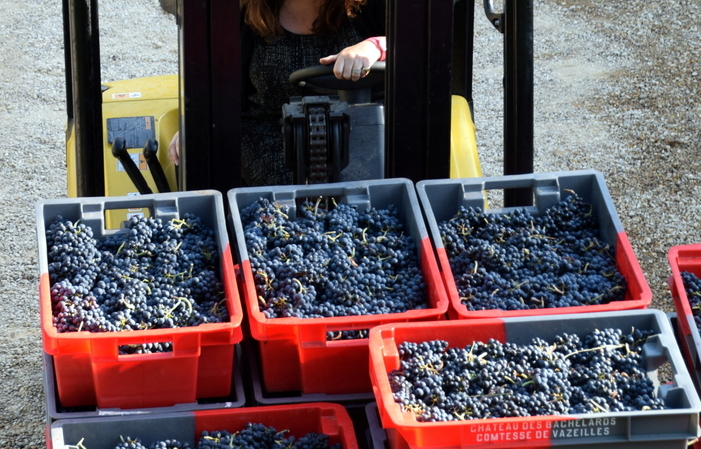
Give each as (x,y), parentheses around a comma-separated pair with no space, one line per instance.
(546,190)
(107,349)
(312,336)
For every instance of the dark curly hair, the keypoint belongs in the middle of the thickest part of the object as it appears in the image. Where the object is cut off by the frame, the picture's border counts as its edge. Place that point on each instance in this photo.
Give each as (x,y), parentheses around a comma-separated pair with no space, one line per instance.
(263,16)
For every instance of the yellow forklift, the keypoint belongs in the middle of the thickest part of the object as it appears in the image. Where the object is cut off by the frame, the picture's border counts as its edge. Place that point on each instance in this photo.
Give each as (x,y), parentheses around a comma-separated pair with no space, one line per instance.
(118,133)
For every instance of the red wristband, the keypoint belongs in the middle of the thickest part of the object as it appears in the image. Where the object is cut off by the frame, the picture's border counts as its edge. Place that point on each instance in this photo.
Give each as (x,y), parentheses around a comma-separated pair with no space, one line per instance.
(380,46)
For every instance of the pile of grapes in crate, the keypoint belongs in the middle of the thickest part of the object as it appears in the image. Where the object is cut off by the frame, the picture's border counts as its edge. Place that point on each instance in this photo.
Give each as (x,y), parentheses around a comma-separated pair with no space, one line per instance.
(518,261)
(323,264)
(331,262)
(252,436)
(566,252)
(601,372)
(692,287)
(153,275)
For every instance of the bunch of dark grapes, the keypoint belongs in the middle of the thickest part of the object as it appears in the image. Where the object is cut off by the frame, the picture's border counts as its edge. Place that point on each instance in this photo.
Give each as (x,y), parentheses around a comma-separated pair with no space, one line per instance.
(692,286)
(135,443)
(330,263)
(601,372)
(252,436)
(260,436)
(151,275)
(517,261)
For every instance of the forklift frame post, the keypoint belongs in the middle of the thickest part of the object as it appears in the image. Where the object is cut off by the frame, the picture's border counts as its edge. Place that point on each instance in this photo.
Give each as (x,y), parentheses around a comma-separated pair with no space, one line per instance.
(518,97)
(463,49)
(84,93)
(210,81)
(418,88)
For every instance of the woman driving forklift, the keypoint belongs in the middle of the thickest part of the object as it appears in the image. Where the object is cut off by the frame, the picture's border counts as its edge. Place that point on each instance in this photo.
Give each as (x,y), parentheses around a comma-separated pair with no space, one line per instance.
(279,37)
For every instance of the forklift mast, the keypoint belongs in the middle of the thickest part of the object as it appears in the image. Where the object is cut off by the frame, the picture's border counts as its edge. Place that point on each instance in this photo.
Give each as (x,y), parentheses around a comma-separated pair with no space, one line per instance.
(430,58)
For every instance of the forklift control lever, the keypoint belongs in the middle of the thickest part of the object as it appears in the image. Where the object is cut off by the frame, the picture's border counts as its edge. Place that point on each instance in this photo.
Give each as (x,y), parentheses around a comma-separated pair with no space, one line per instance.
(119,150)
(151,156)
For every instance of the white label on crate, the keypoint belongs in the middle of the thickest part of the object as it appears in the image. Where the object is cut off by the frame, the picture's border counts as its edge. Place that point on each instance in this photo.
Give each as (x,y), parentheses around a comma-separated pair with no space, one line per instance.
(580,428)
(511,431)
(126,95)
(122,412)
(539,430)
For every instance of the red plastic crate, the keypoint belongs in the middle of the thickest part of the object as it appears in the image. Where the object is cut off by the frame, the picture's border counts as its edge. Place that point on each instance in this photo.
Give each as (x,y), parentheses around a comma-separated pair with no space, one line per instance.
(90,371)
(187,427)
(685,258)
(442,198)
(294,353)
(669,428)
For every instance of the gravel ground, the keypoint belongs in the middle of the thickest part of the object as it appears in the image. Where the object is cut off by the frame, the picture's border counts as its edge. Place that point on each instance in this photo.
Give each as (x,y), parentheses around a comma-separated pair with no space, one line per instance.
(617,89)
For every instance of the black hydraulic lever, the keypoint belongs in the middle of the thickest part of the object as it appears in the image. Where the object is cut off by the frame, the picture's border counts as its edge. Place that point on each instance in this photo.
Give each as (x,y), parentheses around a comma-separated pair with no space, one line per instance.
(119,150)
(150,153)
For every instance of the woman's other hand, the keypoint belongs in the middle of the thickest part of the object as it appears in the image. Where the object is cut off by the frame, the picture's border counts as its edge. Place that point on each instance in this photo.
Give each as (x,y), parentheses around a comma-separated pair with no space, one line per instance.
(174,149)
(354,62)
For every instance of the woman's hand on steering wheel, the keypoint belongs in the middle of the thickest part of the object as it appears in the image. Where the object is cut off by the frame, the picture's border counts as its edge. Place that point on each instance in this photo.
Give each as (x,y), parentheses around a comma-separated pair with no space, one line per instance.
(353,62)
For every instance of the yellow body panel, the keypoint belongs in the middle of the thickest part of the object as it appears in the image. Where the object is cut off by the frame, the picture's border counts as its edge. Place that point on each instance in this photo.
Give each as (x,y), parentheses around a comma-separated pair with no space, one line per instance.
(155,97)
(70,161)
(147,89)
(464,160)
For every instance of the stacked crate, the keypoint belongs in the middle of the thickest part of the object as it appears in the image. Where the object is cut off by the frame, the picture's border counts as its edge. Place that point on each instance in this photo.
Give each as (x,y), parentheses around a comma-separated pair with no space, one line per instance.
(86,376)
(295,354)
(293,360)
(687,259)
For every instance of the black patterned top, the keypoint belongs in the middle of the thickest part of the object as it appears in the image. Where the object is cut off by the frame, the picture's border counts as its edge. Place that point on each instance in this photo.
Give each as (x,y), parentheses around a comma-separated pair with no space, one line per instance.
(271,64)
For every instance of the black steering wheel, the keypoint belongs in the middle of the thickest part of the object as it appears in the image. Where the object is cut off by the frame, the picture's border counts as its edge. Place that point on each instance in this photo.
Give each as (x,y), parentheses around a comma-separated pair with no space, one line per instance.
(320,80)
